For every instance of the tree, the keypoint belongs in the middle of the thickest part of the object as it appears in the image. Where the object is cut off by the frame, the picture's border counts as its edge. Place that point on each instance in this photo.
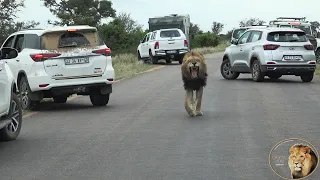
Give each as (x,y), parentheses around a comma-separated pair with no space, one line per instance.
(315,25)
(251,21)
(80,12)
(130,25)
(217,27)
(194,29)
(8,13)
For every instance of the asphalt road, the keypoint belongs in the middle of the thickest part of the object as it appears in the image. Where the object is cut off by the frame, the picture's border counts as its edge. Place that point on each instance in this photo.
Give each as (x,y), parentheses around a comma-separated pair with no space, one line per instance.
(145,133)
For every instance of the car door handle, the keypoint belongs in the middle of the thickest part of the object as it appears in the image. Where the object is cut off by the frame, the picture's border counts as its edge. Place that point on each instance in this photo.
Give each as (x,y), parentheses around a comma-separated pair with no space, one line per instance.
(253,48)
(240,49)
(17,60)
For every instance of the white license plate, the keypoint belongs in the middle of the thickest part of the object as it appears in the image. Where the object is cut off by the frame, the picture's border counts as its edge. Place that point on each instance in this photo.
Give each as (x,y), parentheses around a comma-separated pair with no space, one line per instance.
(292,58)
(76,61)
(171,52)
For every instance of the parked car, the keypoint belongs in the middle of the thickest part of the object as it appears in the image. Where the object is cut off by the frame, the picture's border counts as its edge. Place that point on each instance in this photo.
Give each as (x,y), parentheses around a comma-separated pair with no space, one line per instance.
(10,108)
(61,61)
(236,33)
(169,44)
(271,52)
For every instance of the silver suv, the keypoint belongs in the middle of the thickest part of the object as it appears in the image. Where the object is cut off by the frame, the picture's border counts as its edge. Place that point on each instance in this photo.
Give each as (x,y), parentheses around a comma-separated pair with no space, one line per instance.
(271,52)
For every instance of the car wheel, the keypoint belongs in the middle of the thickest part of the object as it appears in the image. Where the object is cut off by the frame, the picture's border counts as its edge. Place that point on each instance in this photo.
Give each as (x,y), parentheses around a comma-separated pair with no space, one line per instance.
(139,56)
(257,75)
(274,76)
(225,70)
(24,95)
(152,58)
(307,78)
(98,99)
(60,99)
(12,130)
(168,61)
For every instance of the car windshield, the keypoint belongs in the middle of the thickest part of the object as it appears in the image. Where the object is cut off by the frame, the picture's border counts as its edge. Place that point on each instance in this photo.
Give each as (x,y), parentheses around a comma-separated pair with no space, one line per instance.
(287,36)
(238,32)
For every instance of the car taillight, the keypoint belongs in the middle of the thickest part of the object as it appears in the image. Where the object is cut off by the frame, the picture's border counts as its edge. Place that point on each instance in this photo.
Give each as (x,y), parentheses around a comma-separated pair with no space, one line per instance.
(271,46)
(185,43)
(312,62)
(309,47)
(156,45)
(106,51)
(43,56)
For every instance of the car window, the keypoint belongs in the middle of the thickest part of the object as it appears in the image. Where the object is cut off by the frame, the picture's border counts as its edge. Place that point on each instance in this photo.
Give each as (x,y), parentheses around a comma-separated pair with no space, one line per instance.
(285,26)
(9,42)
(148,36)
(144,39)
(255,36)
(153,36)
(287,36)
(169,33)
(32,41)
(243,39)
(238,32)
(19,43)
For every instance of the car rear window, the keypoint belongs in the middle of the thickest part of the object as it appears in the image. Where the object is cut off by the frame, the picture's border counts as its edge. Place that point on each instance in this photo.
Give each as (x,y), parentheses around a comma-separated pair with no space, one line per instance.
(287,36)
(169,33)
(62,39)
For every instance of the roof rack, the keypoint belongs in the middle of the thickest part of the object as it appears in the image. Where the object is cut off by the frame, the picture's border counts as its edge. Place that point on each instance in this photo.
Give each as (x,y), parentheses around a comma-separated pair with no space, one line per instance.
(292,18)
(21,29)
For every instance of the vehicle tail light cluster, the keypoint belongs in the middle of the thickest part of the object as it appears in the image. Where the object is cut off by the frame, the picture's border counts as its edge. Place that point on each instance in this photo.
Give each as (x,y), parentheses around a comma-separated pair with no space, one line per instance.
(106,51)
(43,56)
(309,47)
(185,43)
(156,45)
(312,62)
(271,46)
(271,62)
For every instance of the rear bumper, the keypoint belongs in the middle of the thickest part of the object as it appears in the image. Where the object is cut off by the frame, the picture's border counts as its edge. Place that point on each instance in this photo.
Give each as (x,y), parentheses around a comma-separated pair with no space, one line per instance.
(163,53)
(288,69)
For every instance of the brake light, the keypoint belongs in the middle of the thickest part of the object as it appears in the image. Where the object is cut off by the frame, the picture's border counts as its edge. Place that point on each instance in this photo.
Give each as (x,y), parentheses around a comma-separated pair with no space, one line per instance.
(309,47)
(312,62)
(110,79)
(106,51)
(72,30)
(271,46)
(43,85)
(156,45)
(43,56)
(185,43)
(271,62)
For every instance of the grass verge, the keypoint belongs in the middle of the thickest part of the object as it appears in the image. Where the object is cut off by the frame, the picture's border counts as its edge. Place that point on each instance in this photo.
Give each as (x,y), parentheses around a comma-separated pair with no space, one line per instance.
(208,50)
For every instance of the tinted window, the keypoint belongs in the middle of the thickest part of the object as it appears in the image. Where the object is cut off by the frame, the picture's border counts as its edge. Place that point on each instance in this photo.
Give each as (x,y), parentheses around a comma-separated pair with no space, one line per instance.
(73,39)
(169,33)
(255,36)
(148,36)
(243,39)
(306,29)
(32,41)
(287,36)
(19,43)
(238,32)
(153,35)
(9,42)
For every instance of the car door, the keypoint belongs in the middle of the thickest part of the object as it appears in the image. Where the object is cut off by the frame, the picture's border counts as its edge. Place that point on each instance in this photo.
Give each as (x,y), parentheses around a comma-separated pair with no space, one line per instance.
(249,46)
(237,49)
(4,89)
(14,64)
(142,53)
(145,46)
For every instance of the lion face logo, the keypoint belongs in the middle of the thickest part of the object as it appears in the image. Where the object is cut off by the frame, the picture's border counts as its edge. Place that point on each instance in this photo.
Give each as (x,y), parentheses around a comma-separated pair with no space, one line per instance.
(297,158)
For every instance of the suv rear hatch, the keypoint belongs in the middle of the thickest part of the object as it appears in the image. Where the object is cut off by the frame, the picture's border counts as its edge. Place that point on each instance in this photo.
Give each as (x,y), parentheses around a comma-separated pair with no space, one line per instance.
(171,39)
(73,53)
(289,46)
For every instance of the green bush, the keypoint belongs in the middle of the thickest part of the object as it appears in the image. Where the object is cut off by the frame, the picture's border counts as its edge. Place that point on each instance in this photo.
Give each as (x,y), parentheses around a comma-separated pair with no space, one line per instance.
(205,40)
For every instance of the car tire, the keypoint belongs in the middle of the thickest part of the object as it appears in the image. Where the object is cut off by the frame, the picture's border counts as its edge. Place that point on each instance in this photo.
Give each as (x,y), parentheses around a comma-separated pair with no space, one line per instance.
(152,58)
(24,95)
(307,78)
(98,99)
(274,76)
(60,99)
(317,53)
(139,56)
(12,130)
(225,70)
(257,74)
(168,60)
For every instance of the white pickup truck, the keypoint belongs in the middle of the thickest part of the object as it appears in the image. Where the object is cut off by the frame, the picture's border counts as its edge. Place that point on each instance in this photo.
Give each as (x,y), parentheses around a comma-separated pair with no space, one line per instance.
(169,44)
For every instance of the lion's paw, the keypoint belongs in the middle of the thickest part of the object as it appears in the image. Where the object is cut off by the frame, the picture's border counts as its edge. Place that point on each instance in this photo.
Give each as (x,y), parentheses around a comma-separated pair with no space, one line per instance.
(199,113)
(193,114)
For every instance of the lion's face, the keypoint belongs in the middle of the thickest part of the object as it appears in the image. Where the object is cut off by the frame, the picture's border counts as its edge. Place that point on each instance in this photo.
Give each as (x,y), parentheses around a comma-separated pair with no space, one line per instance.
(298,156)
(194,66)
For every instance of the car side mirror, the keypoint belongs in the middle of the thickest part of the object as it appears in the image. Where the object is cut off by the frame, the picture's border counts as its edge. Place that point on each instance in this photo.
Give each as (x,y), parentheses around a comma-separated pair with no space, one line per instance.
(8,53)
(234,41)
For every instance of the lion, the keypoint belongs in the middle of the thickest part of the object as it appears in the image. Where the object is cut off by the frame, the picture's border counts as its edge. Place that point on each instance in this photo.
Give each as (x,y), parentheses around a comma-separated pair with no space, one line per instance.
(194,77)
(302,161)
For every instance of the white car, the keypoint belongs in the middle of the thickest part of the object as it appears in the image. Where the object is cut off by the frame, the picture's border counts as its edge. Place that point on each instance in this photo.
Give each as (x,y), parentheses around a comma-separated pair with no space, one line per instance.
(10,108)
(165,44)
(271,52)
(59,62)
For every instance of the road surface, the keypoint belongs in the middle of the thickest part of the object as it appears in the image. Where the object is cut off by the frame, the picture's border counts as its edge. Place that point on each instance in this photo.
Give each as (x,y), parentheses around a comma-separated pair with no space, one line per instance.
(145,133)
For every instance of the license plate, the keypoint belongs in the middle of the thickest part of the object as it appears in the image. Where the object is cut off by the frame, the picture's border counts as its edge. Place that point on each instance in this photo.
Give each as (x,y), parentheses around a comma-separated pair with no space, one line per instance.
(171,52)
(79,89)
(76,61)
(292,58)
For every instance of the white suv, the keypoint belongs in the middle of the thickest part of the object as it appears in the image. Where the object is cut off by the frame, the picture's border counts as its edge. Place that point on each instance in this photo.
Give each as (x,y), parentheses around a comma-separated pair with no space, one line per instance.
(61,61)
(271,52)
(10,108)
(165,44)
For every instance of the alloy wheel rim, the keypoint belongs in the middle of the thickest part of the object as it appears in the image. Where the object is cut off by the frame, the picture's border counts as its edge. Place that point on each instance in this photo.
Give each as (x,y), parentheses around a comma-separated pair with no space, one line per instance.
(24,95)
(226,69)
(14,116)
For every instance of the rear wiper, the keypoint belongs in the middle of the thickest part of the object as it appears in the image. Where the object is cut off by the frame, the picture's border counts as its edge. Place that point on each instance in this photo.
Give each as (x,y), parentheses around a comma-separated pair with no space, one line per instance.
(293,40)
(68,45)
